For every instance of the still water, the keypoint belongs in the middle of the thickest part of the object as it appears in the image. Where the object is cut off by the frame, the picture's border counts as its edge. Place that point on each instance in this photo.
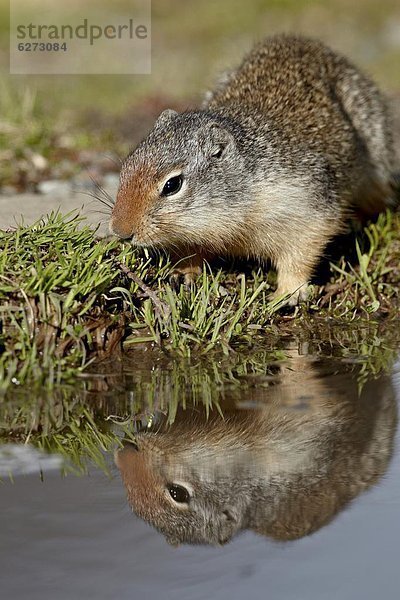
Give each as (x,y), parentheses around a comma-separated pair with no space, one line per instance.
(282,484)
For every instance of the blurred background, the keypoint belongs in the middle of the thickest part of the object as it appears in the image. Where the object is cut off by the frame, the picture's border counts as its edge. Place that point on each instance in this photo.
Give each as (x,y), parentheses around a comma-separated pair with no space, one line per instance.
(56,127)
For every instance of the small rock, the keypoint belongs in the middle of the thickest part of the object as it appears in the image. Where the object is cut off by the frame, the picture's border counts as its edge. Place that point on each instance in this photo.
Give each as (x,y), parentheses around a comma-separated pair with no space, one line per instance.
(39,162)
(53,186)
(223,291)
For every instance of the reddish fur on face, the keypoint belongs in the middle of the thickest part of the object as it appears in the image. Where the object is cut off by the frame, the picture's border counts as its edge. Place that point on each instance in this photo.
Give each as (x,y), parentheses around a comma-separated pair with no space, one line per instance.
(143,485)
(136,194)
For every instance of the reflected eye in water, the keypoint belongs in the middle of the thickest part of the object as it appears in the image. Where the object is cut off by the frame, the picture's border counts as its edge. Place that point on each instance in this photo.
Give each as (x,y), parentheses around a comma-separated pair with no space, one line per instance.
(178,493)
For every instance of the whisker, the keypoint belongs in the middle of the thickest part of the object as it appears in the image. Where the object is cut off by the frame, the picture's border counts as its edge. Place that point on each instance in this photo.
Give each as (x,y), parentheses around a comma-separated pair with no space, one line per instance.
(92,195)
(112,159)
(106,195)
(97,212)
(100,188)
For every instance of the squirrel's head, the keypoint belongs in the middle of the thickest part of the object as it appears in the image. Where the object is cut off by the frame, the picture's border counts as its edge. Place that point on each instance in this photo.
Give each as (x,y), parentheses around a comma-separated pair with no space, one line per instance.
(179,186)
(170,492)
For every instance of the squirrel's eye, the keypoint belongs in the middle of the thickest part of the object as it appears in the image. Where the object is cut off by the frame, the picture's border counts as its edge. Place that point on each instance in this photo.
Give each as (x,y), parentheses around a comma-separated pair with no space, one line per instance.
(172,186)
(178,493)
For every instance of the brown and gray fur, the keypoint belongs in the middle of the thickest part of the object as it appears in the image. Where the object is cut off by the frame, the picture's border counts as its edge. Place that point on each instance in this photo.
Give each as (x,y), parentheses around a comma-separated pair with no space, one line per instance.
(285,148)
(283,469)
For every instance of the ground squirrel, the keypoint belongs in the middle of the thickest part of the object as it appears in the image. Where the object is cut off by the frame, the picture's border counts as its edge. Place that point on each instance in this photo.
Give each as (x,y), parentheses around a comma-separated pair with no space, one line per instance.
(284,149)
(283,469)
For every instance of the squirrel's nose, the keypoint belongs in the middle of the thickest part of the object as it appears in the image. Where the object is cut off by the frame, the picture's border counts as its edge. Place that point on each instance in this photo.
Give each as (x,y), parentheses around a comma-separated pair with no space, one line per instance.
(121,229)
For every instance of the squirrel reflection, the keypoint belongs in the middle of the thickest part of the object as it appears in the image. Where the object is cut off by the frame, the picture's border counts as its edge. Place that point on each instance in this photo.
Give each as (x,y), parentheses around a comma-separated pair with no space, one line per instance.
(283,469)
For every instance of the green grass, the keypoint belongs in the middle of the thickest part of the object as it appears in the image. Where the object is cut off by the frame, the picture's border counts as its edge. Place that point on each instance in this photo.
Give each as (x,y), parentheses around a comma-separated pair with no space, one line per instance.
(371,284)
(84,422)
(67,298)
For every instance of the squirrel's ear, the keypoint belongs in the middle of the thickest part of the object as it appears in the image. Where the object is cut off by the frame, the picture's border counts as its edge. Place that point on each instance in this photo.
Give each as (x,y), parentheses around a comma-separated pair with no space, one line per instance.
(166,116)
(218,140)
